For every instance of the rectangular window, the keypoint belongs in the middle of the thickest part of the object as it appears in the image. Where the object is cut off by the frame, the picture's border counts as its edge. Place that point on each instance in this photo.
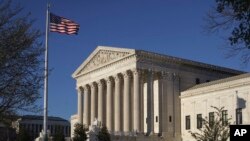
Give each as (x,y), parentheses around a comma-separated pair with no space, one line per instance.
(156,119)
(199,121)
(211,119)
(239,116)
(224,117)
(187,122)
(40,129)
(170,119)
(197,81)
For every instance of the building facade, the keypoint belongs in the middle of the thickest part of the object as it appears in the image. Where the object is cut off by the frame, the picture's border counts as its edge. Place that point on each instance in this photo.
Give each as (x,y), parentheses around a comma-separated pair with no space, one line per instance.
(232,93)
(135,92)
(34,125)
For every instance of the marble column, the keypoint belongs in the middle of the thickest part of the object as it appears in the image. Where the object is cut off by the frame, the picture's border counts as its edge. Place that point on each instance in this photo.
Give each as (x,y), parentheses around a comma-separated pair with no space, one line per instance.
(100,102)
(150,103)
(164,104)
(86,106)
(136,101)
(126,103)
(117,106)
(93,103)
(109,120)
(177,106)
(170,103)
(80,105)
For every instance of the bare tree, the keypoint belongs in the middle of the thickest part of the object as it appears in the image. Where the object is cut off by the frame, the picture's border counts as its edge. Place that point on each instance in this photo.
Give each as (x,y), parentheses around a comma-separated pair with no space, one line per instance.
(232,16)
(20,62)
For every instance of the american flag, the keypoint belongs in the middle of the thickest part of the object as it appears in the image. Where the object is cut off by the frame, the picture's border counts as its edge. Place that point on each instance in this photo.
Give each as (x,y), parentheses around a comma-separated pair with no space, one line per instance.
(63,25)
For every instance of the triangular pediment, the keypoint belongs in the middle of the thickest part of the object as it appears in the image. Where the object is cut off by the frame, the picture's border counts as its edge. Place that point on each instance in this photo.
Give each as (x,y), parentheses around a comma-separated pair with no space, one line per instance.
(102,56)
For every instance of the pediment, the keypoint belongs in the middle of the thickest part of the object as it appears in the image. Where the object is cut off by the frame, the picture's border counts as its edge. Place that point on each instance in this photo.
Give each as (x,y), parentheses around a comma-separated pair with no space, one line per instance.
(102,56)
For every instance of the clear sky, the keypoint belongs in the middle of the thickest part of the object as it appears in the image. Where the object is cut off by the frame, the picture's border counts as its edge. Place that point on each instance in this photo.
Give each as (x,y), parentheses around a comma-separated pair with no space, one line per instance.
(171,27)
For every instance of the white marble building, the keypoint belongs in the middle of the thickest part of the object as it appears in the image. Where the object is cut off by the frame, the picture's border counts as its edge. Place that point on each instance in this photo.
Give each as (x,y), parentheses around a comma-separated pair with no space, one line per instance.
(232,93)
(138,91)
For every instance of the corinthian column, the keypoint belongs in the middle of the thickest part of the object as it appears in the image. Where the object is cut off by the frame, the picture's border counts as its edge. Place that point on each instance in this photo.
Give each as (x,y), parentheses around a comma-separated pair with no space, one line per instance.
(79,105)
(136,101)
(126,103)
(86,106)
(100,101)
(93,103)
(109,104)
(117,104)
(150,103)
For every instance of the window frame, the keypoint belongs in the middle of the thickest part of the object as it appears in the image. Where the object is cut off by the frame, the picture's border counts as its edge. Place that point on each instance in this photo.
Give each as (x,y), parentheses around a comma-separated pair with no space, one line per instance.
(224,117)
(239,117)
(199,121)
(188,122)
(211,118)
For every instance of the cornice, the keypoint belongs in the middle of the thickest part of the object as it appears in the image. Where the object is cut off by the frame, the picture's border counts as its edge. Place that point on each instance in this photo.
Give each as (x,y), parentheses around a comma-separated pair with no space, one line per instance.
(149,58)
(175,61)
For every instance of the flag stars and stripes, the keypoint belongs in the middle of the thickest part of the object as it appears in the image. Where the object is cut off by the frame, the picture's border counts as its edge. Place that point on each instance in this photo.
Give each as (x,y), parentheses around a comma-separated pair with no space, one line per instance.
(63,25)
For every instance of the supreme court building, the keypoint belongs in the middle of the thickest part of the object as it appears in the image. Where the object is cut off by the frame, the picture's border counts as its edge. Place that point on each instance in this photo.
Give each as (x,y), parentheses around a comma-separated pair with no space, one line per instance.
(135,93)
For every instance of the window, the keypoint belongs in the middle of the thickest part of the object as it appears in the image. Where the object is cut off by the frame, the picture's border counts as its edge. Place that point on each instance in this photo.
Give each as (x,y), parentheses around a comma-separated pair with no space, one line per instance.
(239,116)
(51,130)
(170,119)
(156,119)
(37,128)
(187,122)
(224,117)
(199,121)
(211,119)
(40,127)
(197,81)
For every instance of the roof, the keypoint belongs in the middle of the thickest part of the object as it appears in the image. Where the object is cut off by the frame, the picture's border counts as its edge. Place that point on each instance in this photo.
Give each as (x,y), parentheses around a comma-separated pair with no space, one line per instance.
(220,81)
(146,54)
(221,84)
(36,117)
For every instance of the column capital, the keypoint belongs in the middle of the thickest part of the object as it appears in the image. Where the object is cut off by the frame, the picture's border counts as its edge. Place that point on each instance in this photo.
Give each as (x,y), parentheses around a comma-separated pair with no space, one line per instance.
(167,75)
(100,83)
(151,71)
(164,74)
(79,91)
(176,75)
(136,71)
(126,74)
(85,87)
(117,77)
(92,85)
(108,79)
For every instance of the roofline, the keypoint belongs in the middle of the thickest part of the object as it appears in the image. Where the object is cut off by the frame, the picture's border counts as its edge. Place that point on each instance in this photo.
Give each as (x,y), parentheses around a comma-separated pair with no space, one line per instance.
(167,57)
(224,83)
(98,48)
(194,63)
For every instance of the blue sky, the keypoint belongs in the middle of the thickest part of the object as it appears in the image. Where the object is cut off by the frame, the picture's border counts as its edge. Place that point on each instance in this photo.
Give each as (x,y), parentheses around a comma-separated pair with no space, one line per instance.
(171,27)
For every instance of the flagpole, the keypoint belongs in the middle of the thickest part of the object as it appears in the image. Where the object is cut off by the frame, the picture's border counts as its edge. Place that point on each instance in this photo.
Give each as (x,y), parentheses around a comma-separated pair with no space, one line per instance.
(45,118)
